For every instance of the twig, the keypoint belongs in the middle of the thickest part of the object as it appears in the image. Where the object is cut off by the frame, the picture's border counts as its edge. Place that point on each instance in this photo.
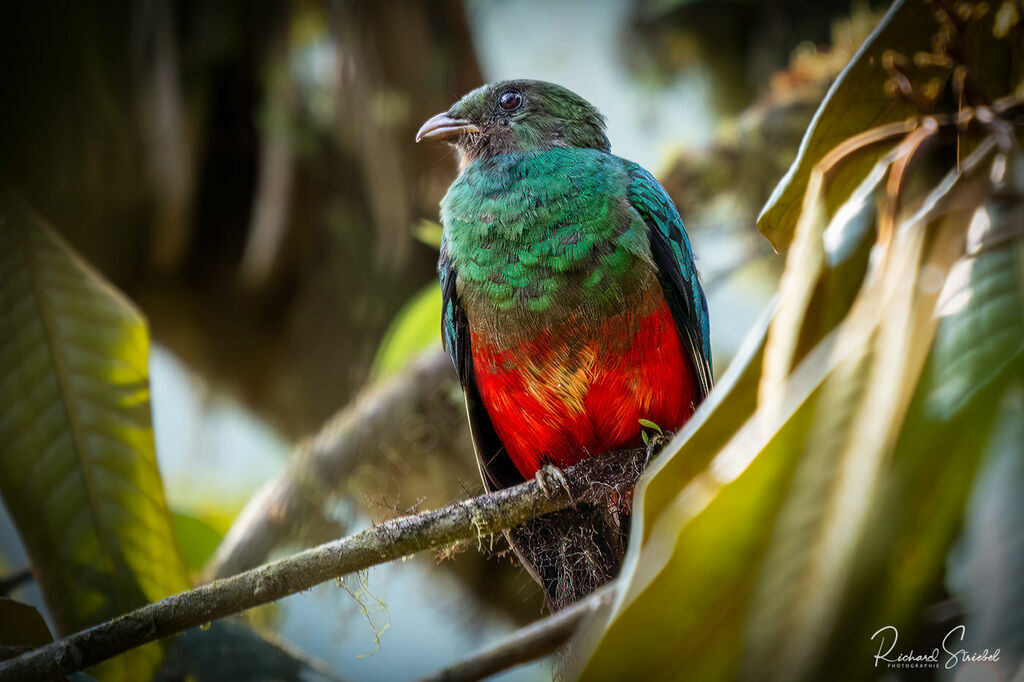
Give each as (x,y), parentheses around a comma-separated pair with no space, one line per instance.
(390,540)
(9,583)
(526,644)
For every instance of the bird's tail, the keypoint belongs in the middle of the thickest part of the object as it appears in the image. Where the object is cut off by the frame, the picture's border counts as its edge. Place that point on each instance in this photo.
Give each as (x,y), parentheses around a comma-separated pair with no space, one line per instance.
(572,552)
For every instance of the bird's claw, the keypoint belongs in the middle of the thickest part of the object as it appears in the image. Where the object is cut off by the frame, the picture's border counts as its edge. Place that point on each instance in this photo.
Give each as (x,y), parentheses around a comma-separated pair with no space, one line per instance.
(550,477)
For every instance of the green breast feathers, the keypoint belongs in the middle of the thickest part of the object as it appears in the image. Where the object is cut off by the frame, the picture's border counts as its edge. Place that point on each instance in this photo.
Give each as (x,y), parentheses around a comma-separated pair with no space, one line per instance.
(539,234)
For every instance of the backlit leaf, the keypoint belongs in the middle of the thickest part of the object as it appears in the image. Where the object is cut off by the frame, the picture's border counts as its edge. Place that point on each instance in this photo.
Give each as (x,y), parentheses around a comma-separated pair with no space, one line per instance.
(78,472)
(416,328)
(856,102)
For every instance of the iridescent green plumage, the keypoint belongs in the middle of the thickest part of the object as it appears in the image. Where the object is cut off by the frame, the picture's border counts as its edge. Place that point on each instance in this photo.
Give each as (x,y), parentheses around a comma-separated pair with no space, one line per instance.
(534,231)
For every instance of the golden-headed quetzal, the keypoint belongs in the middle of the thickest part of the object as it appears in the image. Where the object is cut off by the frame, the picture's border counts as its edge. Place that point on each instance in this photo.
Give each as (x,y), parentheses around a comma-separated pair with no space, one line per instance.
(571,305)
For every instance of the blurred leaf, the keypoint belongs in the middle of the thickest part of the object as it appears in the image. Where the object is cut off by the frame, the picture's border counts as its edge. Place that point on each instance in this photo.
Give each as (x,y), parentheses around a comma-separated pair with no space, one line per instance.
(716,420)
(416,328)
(982,303)
(680,612)
(855,103)
(78,472)
(197,540)
(920,506)
(823,274)
(992,591)
(229,650)
(823,535)
(22,628)
(428,232)
(981,341)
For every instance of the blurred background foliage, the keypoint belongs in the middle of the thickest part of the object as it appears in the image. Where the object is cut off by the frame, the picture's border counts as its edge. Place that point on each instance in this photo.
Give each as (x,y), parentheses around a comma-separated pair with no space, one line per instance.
(245,174)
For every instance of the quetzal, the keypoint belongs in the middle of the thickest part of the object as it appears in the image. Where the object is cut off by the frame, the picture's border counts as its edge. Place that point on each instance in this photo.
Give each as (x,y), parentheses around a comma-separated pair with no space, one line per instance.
(571,305)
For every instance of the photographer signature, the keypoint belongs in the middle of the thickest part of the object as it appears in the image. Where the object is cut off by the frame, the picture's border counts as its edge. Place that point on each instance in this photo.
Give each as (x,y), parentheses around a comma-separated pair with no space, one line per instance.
(947,654)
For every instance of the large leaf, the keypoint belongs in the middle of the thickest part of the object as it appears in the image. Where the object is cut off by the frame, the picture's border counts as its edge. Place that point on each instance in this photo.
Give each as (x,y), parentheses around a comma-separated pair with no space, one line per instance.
(980,342)
(856,102)
(22,629)
(979,348)
(684,597)
(78,471)
(830,532)
(992,592)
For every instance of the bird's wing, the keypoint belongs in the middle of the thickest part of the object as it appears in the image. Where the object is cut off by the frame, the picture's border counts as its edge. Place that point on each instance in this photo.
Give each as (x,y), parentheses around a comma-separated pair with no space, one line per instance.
(670,249)
(496,467)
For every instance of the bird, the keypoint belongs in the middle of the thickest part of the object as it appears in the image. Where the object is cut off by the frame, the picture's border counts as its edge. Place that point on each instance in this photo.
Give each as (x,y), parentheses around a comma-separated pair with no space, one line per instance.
(572,309)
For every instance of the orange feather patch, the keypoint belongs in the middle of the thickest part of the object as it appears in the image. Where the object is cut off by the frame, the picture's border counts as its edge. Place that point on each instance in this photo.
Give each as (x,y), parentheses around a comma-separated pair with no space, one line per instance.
(562,396)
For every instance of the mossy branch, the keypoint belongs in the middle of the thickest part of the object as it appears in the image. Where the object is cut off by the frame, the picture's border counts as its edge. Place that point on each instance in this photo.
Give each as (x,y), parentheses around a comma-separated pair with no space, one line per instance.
(464,520)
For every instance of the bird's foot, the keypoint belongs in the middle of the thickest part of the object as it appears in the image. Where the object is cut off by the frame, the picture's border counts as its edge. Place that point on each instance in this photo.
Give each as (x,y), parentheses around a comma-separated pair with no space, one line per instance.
(549,477)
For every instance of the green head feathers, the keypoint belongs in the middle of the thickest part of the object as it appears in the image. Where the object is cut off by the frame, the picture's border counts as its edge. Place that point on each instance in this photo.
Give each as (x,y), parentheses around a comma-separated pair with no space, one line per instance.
(518,115)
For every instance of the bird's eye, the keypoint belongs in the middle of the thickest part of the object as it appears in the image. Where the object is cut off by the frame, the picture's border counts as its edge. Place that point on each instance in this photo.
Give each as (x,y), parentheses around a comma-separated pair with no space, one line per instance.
(510,100)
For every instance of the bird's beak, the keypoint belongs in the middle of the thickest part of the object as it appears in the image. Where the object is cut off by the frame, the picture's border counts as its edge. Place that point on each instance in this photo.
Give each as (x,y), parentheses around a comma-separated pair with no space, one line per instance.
(444,127)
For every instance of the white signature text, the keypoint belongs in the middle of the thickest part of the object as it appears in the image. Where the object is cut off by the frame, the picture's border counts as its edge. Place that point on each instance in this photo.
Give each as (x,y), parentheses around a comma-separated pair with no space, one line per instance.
(948,654)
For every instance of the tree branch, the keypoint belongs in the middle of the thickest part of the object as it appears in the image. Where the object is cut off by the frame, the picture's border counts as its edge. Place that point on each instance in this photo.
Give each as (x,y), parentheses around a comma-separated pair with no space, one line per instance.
(9,583)
(526,644)
(393,539)
(368,430)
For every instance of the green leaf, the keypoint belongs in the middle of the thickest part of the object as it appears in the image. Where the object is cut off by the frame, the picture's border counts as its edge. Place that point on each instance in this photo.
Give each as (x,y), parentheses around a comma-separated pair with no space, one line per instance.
(992,592)
(679,613)
(982,302)
(855,103)
(915,517)
(197,540)
(22,629)
(823,537)
(416,328)
(980,346)
(823,274)
(647,423)
(78,472)
(428,232)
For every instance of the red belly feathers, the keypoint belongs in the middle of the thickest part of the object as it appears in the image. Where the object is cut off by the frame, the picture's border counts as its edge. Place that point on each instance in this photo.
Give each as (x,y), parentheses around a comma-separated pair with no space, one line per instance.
(560,398)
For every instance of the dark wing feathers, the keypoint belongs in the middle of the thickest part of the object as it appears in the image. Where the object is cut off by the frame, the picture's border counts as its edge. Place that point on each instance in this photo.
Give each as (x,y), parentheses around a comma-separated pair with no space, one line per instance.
(670,249)
(496,467)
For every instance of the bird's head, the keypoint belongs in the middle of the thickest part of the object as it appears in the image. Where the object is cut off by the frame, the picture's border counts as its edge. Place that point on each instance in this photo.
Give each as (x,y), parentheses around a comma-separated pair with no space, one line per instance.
(517,115)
